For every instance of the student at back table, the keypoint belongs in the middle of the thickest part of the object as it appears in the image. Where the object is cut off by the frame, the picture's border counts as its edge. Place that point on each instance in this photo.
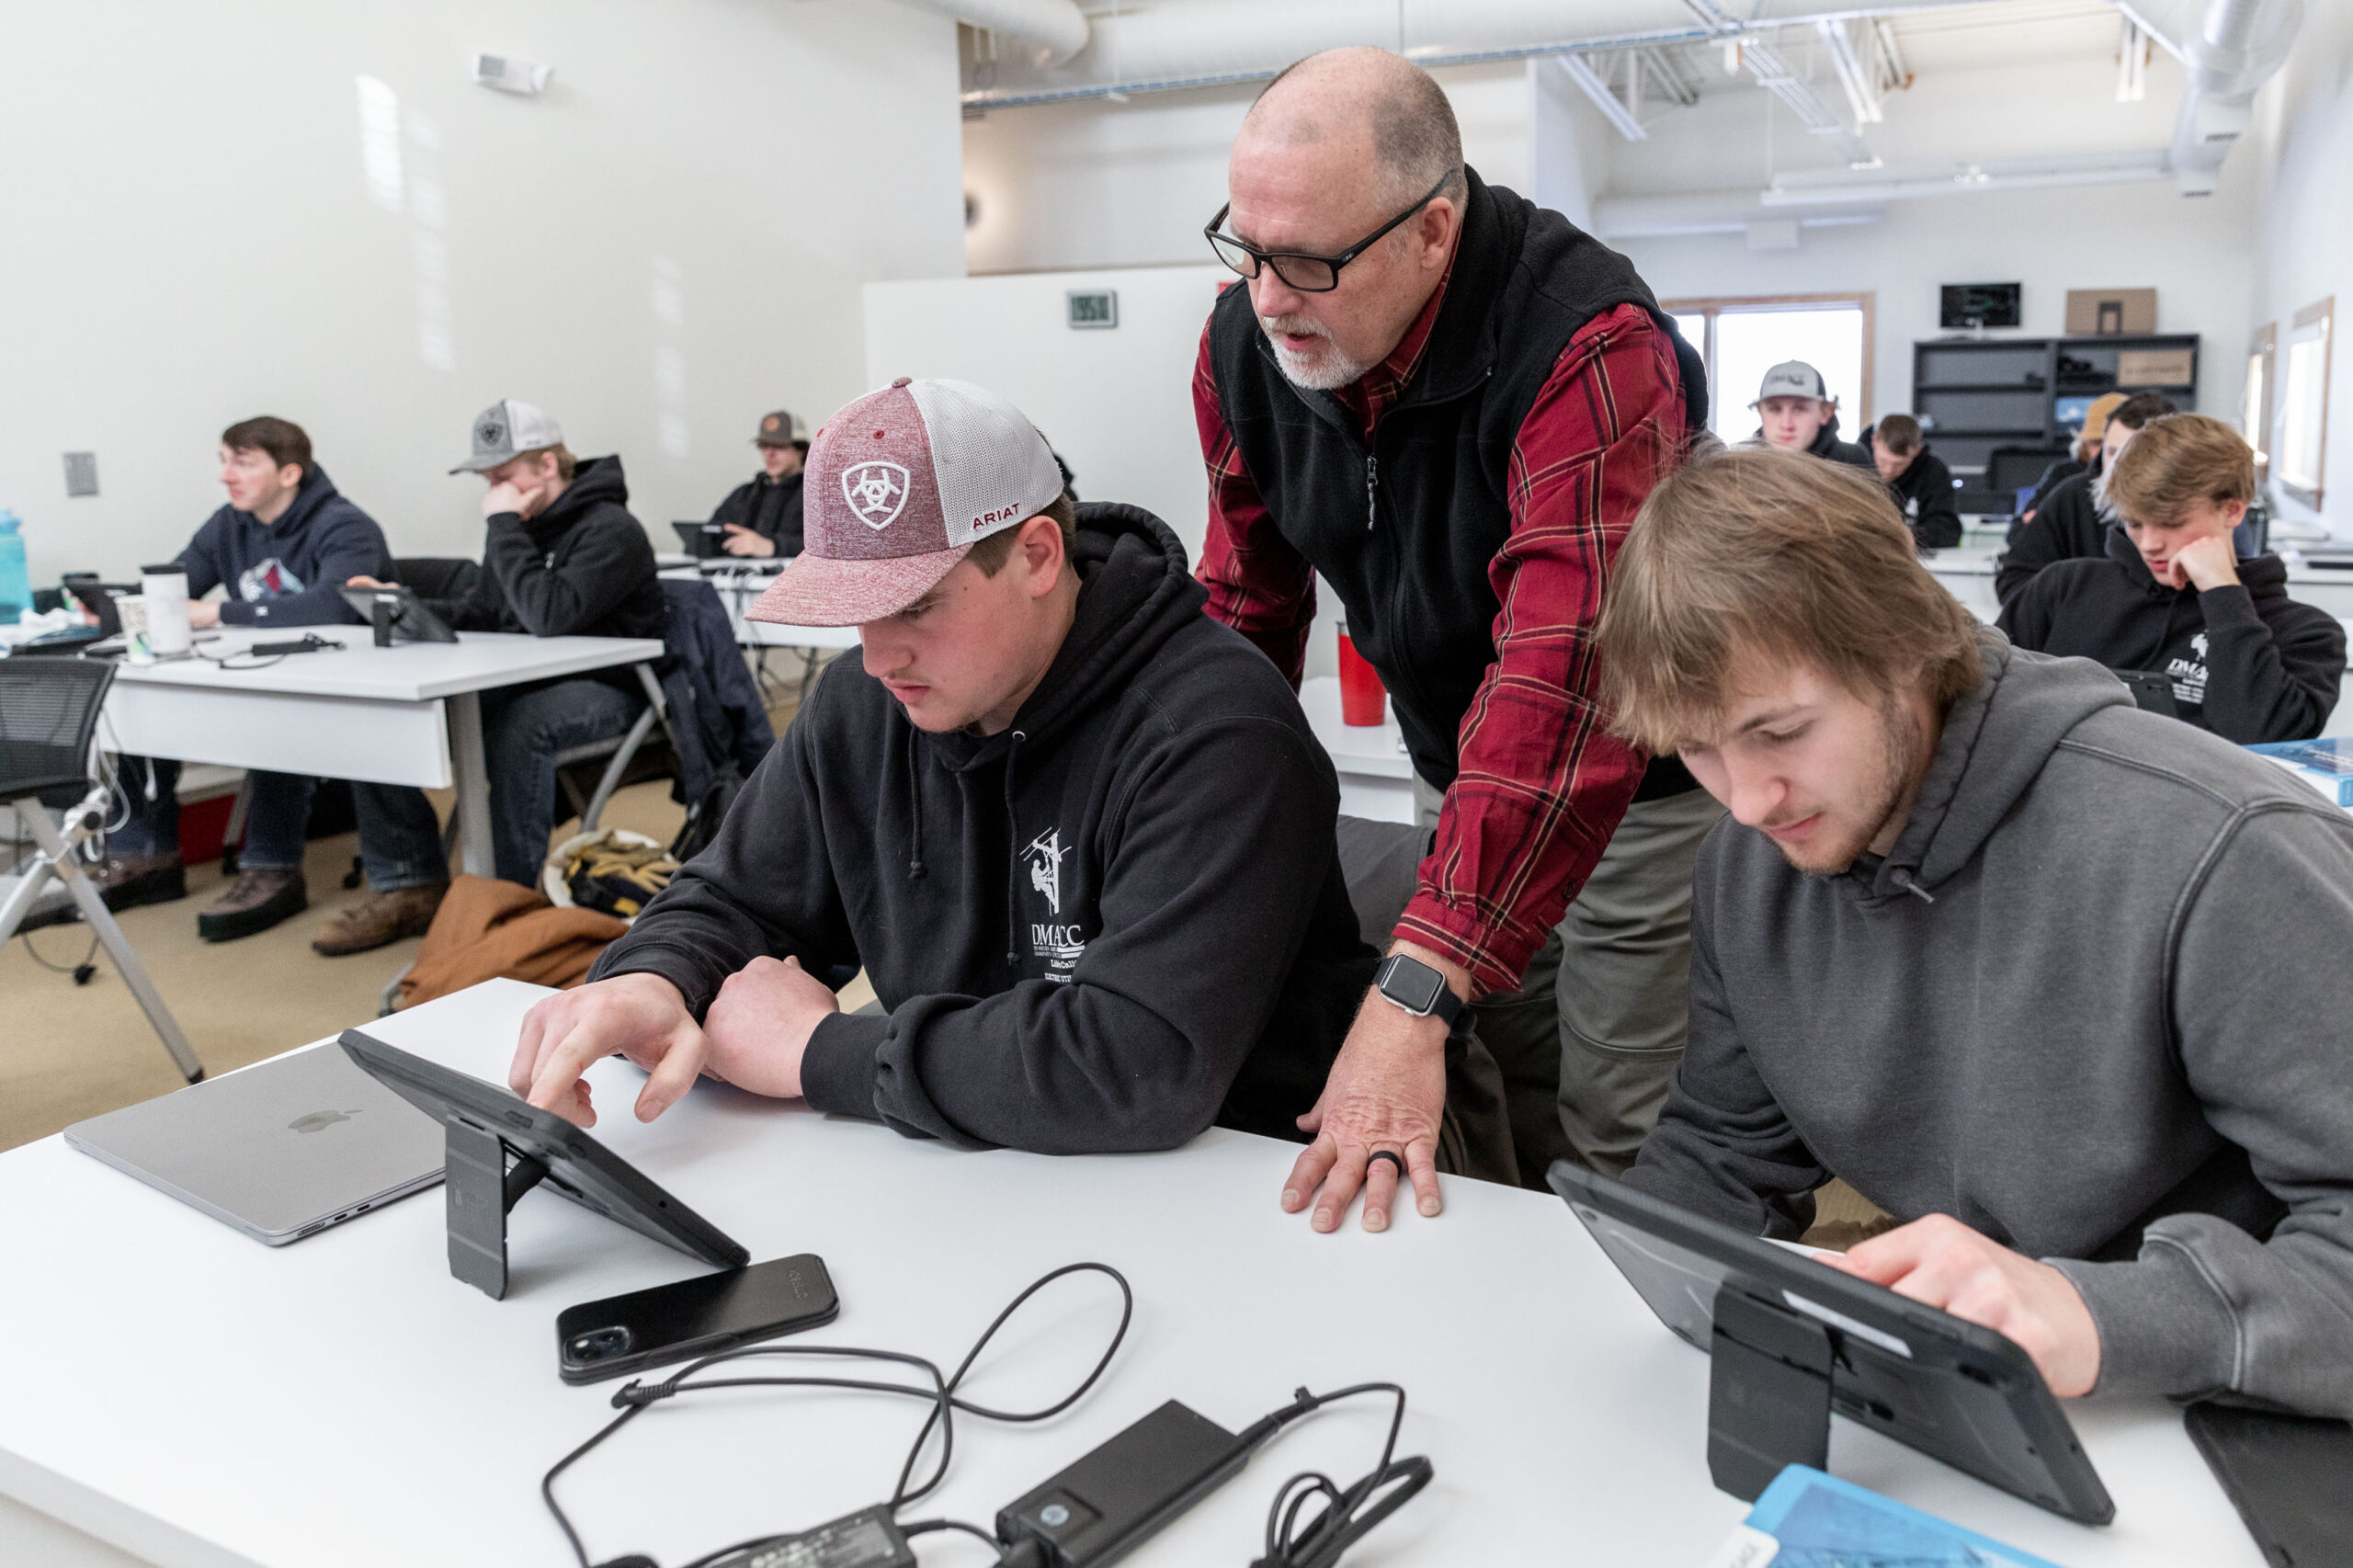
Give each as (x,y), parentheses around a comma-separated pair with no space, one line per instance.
(282,547)
(562,557)
(1795,413)
(2071,522)
(2173,597)
(1080,836)
(1922,484)
(761,517)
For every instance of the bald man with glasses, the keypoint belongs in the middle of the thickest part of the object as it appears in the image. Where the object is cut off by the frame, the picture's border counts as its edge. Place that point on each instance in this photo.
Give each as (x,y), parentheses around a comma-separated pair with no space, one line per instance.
(1449,402)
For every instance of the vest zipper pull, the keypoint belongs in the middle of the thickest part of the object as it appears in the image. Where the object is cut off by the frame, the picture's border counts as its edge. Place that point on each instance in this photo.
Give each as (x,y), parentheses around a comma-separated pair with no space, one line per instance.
(1371,486)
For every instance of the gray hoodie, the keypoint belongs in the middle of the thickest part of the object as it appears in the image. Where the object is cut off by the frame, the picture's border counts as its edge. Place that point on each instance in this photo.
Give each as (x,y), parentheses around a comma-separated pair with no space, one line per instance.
(2095,1004)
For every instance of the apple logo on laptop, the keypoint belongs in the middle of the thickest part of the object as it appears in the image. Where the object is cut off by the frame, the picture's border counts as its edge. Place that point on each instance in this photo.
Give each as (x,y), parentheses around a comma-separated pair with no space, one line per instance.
(318,1121)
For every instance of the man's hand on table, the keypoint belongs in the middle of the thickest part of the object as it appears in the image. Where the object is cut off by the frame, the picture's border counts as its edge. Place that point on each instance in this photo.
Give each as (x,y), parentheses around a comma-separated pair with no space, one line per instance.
(203,613)
(640,1017)
(367,582)
(759,1026)
(1943,1263)
(1387,1091)
(741,540)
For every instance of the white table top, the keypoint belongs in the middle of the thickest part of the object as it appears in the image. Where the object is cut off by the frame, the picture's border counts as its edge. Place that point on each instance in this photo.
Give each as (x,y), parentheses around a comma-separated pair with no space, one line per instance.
(1374,749)
(203,1399)
(1963,560)
(405,672)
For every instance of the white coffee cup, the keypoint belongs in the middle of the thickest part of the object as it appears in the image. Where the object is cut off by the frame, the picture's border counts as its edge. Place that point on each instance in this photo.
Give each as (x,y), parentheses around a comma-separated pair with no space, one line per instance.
(165,590)
(132,608)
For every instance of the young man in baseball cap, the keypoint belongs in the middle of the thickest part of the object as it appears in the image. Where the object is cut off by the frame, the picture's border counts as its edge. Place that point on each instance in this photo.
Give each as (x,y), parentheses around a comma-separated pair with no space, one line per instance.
(1079,835)
(562,557)
(761,515)
(1796,412)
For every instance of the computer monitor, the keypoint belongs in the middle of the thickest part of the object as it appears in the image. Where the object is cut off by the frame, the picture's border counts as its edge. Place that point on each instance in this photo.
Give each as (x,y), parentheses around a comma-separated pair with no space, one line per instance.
(1965,307)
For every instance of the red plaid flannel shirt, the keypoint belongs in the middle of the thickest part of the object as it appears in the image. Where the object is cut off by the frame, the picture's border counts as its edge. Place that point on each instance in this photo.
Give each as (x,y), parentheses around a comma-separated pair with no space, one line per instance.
(1543,783)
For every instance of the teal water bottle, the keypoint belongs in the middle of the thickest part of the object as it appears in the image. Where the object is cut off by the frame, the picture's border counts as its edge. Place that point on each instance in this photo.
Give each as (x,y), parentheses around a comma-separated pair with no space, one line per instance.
(16,584)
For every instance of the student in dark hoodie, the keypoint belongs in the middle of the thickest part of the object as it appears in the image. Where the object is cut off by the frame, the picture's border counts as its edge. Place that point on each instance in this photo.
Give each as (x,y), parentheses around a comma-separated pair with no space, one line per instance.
(282,547)
(761,515)
(562,557)
(2055,981)
(2246,660)
(1079,835)
(1922,484)
(1795,413)
(2072,523)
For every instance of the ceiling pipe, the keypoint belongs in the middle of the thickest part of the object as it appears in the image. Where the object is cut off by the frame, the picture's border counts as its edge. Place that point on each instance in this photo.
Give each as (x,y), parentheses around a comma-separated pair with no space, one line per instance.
(2230,49)
(1198,43)
(1055,29)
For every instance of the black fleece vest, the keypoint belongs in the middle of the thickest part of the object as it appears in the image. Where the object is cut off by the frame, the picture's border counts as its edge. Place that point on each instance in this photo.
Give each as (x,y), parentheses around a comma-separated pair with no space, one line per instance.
(1406,530)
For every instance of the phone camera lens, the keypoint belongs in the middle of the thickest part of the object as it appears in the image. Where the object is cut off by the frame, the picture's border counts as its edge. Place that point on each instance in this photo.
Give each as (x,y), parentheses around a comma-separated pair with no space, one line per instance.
(598,1343)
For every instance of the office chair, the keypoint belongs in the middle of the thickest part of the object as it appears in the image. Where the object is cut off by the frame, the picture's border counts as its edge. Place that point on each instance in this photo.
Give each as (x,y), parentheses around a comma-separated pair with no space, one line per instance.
(49,712)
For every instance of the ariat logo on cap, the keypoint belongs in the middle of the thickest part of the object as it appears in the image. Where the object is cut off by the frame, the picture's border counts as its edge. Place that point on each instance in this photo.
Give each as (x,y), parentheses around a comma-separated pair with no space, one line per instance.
(876,491)
(489,433)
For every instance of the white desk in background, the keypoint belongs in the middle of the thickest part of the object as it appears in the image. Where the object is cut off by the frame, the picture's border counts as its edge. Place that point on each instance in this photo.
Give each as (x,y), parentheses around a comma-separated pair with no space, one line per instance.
(739,590)
(198,1399)
(407,714)
(1376,775)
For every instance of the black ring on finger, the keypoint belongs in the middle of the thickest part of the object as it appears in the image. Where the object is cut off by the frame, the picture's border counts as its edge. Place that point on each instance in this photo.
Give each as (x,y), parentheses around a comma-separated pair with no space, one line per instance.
(1392,1156)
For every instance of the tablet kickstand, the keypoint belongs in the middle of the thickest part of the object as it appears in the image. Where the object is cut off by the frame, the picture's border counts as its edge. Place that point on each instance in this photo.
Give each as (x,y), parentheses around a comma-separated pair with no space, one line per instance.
(1768,1391)
(481,1190)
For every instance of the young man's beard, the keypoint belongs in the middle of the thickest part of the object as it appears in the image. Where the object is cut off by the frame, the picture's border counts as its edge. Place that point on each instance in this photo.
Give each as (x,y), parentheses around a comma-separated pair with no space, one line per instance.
(1901,763)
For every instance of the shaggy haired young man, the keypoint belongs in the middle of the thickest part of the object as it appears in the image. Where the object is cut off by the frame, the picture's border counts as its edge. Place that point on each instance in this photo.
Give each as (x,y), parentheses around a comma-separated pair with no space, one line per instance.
(2053,980)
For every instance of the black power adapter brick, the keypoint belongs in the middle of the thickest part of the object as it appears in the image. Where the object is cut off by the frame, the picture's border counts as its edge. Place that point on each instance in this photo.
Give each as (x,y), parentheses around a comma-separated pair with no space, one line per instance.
(1117,1497)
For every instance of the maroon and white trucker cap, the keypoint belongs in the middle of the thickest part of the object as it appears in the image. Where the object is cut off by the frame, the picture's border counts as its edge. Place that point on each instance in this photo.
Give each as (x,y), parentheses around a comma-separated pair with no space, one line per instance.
(901,484)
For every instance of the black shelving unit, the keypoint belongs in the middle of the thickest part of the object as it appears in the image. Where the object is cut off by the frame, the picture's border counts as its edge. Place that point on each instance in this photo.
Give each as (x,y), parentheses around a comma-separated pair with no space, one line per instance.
(1990,406)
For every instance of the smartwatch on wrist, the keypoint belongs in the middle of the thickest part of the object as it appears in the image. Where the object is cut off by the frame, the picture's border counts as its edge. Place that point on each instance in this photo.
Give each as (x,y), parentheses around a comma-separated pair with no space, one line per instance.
(1413,986)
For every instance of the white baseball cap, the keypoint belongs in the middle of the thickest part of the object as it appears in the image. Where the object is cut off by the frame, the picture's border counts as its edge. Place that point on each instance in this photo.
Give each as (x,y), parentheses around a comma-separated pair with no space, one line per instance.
(1793,377)
(506,429)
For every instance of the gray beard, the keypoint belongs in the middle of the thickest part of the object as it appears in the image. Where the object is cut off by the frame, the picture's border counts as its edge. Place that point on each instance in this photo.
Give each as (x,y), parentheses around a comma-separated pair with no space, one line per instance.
(1336,371)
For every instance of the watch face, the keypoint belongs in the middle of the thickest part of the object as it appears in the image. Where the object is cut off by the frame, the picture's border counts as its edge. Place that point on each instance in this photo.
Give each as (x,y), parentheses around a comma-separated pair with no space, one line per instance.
(1413,986)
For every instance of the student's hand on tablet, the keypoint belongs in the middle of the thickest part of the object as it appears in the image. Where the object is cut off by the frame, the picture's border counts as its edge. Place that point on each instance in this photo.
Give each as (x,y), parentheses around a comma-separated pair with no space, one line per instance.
(203,613)
(1943,1263)
(640,1017)
(364,581)
(741,540)
(760,1023)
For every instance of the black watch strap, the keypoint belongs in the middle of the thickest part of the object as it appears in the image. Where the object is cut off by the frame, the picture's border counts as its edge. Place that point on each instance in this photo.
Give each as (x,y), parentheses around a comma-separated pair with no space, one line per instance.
(1410,983)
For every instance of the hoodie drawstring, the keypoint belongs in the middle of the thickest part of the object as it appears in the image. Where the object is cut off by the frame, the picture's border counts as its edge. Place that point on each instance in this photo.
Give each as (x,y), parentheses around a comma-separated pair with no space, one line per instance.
(1901,877)
(1013,838)
(914,816)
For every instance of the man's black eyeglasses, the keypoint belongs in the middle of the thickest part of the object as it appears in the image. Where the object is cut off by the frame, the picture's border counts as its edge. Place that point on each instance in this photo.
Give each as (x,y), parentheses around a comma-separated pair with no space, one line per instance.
(1308,274)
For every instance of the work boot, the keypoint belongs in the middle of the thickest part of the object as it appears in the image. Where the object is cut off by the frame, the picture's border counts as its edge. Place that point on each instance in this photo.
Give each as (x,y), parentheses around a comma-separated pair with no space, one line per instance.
(380,920)
(126,881)
(255,902)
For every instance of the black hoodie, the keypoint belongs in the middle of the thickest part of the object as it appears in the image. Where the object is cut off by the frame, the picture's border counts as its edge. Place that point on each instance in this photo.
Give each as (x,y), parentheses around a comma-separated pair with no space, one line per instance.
(582,568)
(1101,930)
(291,571)
(1924,492)
(2248,662)
(2071,523)
(769,508)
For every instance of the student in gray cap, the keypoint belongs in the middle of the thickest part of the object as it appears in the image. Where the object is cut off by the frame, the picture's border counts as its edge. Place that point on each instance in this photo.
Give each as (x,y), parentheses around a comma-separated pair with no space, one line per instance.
(562,557)
(1796,412)
(761,515)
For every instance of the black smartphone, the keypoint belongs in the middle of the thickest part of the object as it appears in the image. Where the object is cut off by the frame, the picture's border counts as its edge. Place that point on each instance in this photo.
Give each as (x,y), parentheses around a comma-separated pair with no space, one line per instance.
(597,1340)
(2286,1476)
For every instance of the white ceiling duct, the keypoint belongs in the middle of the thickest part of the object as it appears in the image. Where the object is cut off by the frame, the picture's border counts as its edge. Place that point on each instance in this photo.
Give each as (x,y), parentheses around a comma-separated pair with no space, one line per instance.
(1709,213)
(1176,43)
(1822,188)
(2231,48)
(1057,28)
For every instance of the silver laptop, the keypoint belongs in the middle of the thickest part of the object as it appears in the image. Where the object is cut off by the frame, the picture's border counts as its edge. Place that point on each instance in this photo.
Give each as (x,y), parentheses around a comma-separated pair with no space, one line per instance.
(279,1150)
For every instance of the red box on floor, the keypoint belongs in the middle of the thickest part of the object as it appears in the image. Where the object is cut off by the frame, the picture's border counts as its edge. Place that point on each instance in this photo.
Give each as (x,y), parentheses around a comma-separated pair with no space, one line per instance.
(203,824)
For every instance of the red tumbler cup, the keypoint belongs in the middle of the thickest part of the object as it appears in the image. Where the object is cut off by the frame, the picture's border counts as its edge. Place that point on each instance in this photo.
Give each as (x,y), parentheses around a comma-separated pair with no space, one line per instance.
(1362,699)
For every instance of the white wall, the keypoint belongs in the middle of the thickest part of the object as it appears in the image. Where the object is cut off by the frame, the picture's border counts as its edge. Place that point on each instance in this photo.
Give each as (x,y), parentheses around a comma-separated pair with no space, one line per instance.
(1092,183)
(2197,254)
(670,241)
(2302,153)
(1117,403)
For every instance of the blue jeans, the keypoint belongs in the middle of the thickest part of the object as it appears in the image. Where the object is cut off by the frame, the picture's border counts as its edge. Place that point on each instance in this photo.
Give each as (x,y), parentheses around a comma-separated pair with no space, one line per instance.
(523,727)
(400,840)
